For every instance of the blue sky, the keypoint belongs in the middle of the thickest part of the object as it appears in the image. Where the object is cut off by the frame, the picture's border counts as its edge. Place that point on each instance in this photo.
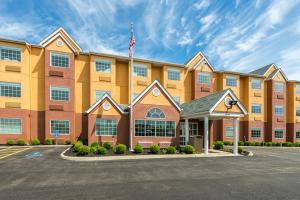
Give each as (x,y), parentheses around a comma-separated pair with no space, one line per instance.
(239,35)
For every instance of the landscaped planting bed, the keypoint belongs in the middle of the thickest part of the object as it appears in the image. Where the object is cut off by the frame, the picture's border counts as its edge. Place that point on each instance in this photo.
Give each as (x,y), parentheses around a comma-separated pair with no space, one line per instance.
(106,149)
(267,144)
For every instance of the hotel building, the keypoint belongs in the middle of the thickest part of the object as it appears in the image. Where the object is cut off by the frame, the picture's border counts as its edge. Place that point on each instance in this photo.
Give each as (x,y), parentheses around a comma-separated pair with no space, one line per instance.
(55,86)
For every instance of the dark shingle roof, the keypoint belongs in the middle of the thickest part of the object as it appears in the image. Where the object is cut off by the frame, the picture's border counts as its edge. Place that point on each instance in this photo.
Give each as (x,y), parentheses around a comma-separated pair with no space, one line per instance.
(203,104)
(262,70)
(273,73)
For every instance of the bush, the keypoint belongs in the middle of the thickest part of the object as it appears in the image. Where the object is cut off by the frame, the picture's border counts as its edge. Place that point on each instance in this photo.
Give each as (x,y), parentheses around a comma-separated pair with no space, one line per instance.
(93,149)
(95,144)
(276,144)
(107,145)
(268,144)
(246,143)
(83,150)
(154,148)
(241,143)
(171,150)
(77,146)
(35,142)
(48,141)
(138,148)
(82,139)
(256,143)
(296,144)
(189,149)
(227,143)
(68,142)
(101,150)
(10,142)
(240,150)
(218,145)
(21,142)
(120,149)
(287,144)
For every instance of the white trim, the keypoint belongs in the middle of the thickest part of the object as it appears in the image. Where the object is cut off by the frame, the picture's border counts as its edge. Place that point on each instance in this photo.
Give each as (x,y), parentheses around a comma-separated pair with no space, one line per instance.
(282,73)
(55,34)
(14,48)
(100,100)
(151,117)
(156,120)
(60,120)
(69,91)
(270,68)
(200,61)
(61,53)
(162,88)
(21,130)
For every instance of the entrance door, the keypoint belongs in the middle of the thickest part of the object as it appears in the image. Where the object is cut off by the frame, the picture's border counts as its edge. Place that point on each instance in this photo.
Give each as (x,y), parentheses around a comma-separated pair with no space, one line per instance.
(193,131)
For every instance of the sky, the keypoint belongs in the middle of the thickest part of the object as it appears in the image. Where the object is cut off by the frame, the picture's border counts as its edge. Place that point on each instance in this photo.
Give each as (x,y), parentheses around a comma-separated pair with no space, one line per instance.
(234,35)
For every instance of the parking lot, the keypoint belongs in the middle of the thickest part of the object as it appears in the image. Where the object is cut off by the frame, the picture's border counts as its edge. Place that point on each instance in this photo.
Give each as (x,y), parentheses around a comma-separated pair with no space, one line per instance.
(273,173)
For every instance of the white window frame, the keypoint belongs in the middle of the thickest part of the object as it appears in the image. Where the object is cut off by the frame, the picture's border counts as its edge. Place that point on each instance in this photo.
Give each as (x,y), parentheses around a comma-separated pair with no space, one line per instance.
(256,129)
(110,135)
(279,129)
(226,131)
(106,62)
(12,83)
(158,119)
(51,87)
(296,134)
(279,114)
(182,131)
(61,53)
(204,74)
(176,71)
(297,109)
(253,105)
(60,120)
(21,129)
(281,86)
(12,48)
(232,78)
(254,82)
(140,66)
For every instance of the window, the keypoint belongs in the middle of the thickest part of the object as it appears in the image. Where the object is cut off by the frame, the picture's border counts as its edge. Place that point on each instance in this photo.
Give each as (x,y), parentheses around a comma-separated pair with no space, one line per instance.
(297,89)
(193,131)
(278,134)
(140,70)
(99,94)
(60,93)
(255,132)
(59,60)
(229,131)
(155,128)
(10,89)
(106,127)
(278,87)
(278,110)
(256,108)
(103,66)
(298,111)
(173,74)
(297,134)
(256,84)
(204,77)
(10,126)
(155,113)
(231,81)
(177,99)
(62,126)
(10,53)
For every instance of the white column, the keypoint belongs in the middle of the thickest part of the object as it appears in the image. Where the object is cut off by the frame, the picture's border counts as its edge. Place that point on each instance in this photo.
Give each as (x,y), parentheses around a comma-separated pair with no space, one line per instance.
(206,135)
(187,131)
(235,136)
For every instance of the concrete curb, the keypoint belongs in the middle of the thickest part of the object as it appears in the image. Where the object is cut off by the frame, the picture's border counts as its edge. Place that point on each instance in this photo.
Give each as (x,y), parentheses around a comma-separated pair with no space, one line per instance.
(142,157)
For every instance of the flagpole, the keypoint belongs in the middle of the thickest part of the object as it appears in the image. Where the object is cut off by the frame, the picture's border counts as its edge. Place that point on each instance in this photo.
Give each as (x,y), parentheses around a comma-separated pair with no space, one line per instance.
(131,95)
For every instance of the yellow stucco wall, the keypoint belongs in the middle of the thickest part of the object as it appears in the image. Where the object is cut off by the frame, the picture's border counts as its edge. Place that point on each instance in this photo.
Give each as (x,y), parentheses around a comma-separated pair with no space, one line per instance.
(101,111)
(161,99)
(222,107)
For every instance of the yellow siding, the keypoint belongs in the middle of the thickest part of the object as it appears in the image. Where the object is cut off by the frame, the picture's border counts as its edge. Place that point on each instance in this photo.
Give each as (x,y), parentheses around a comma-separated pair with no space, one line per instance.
(101,111)
(222,108)
(159,100)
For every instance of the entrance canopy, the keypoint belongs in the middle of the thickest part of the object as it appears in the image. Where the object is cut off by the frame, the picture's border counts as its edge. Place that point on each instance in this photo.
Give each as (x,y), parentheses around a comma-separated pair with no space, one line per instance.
(219,105)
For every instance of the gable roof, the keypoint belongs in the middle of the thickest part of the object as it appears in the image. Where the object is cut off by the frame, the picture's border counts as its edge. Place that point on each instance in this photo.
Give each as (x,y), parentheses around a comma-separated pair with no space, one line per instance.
(200,61)
(105,96)
(58,33)
(207,104)
(275,72)
(263,70)
(162,88)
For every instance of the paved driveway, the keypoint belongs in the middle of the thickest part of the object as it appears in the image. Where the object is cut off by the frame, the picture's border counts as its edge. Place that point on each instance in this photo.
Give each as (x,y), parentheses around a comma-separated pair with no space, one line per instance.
(264,176)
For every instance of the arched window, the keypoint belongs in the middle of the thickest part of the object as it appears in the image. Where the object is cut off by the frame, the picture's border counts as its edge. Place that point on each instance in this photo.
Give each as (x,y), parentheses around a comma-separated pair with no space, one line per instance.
(155,113)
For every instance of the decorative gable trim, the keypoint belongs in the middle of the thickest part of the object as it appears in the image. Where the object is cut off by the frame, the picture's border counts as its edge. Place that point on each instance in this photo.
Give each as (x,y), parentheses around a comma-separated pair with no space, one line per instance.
(232,95)
(282,73)
(202,59)
(57,34)
(162,88)
(105,96)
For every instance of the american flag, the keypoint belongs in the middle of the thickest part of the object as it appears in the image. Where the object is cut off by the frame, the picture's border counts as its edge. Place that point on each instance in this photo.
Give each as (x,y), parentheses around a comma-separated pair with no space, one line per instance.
(132,42)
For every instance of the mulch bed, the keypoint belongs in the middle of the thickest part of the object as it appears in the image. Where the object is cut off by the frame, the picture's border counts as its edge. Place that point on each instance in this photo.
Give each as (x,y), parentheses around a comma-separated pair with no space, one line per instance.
(110,152)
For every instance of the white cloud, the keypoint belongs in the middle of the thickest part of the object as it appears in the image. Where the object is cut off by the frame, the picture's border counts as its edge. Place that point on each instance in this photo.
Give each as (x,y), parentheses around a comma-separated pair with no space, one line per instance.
(186,39)
(250,43)
(237,3)
(207,21)
(202,4)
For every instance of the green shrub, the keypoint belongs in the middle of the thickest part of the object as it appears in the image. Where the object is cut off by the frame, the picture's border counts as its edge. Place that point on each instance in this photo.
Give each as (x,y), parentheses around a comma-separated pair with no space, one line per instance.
(246,143)
(83,150)
(68,142)
(77,146)
(10,142)
(241,143)
(171,150)
(287,144)
(262,144)
(82,139)
(296,144)
(95,144)
(101,150)
(48,141)
(120,148)
(240,150)
(227,143)
(189,149)
(138,148)
(268,144)
(93,149)
(276,144)
(35,141)
(256,143)
(154,148)
(218,145)
(107,145)
(21,142)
